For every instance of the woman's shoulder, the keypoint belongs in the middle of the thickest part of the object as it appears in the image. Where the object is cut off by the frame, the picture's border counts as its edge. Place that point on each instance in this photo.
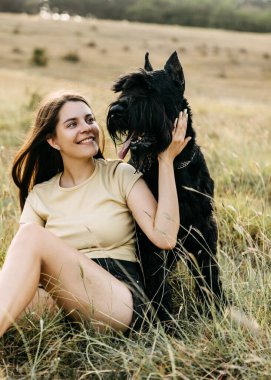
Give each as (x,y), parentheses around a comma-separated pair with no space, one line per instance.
(120,176)
(108,162)
(47,185)
(115,166)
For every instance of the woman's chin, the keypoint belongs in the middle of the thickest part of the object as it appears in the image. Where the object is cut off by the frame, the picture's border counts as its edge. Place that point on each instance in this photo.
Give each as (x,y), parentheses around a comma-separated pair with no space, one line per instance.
(90,150)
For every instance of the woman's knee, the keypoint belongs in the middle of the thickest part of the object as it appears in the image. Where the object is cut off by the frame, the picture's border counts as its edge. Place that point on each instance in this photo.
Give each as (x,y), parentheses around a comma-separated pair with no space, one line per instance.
(28,235)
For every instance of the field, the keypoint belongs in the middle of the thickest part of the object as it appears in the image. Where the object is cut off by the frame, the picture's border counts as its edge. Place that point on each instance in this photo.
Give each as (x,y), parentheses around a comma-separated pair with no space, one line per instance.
(228,81)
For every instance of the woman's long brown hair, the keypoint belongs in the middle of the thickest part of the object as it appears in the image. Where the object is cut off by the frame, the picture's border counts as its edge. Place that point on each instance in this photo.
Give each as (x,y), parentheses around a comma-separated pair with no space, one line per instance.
(37,161)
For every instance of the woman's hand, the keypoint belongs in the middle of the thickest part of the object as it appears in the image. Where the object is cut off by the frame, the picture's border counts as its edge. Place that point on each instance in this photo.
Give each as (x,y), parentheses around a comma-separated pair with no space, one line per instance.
(179,141)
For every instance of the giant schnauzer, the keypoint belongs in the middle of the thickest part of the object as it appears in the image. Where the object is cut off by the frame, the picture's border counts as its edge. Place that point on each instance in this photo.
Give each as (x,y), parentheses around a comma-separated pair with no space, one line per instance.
(143,117)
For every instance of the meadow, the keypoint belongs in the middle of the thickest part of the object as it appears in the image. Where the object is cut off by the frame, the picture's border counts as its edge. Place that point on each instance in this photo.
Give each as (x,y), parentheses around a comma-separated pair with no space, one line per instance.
(228,80)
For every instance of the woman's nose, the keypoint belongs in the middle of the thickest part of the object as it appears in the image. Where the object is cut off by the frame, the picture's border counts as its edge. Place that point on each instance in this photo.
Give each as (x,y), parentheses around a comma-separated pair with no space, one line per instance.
(85,126)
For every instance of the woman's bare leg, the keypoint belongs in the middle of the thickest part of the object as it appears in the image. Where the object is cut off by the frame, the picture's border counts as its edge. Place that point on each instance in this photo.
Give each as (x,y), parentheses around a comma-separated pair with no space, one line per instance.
(40,303)
(77,283)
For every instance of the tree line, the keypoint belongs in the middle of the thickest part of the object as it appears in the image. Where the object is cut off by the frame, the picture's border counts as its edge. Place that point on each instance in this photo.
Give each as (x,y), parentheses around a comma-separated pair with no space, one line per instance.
(242,15)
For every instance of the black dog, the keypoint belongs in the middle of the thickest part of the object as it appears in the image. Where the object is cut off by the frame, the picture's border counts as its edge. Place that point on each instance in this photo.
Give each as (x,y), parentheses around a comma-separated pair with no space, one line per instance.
(143,116)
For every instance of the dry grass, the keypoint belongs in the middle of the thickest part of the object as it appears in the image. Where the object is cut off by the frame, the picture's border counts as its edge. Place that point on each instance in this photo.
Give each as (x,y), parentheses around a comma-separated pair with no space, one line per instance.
(228,83)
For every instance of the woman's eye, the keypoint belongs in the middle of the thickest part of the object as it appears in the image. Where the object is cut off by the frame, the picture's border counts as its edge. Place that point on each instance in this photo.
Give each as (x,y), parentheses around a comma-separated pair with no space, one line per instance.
(72,125)
(90,120)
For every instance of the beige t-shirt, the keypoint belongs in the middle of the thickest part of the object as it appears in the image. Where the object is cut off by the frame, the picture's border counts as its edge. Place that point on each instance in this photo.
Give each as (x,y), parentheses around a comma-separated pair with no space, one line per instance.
(93,216)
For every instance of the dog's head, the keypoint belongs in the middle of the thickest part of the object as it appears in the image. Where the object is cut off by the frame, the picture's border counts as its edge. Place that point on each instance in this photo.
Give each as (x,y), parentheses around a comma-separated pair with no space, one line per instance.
(143,115)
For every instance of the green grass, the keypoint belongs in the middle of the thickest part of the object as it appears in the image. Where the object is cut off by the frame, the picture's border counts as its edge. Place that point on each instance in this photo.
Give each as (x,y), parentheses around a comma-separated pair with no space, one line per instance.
(232,118)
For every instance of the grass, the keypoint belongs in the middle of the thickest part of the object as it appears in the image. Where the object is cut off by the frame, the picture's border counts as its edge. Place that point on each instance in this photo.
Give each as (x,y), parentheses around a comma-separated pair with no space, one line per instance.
(39,57)
(71,57)
(232,118)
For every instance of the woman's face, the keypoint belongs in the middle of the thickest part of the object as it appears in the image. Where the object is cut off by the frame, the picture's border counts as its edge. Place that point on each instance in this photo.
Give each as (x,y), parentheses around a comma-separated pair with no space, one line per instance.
(77,133)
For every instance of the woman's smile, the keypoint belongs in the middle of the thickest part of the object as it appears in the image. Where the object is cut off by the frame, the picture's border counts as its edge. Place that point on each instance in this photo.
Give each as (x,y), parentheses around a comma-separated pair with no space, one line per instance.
(87,140)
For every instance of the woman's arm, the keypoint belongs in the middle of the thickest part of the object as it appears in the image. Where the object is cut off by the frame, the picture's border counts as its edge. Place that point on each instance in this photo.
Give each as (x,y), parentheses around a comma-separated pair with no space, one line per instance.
(160,221)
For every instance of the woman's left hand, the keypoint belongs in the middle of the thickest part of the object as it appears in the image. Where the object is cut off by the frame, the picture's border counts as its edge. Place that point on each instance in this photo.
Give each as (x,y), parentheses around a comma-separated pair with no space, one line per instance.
(179,141)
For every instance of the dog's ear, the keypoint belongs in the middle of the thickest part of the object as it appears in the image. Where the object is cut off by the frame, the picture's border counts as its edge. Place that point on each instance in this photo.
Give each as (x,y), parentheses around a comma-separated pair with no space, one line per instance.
(119,84)
(147,66)
(174,68)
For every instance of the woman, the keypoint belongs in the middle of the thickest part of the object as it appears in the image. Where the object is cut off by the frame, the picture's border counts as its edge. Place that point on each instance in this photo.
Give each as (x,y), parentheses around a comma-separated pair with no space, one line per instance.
(76,234)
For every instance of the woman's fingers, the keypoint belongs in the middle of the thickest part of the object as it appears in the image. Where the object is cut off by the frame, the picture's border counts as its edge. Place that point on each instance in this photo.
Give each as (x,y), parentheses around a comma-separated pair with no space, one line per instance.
(179,141)
(182,121)
(179,132)
(180,125)
(175,124)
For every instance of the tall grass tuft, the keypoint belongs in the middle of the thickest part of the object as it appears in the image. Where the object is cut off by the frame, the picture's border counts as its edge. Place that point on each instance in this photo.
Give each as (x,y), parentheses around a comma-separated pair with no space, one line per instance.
(39,57)
(72,57)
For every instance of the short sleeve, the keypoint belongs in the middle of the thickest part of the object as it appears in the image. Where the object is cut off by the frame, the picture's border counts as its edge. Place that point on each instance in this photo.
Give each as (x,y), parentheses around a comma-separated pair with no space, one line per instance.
(128,176)
(29,213)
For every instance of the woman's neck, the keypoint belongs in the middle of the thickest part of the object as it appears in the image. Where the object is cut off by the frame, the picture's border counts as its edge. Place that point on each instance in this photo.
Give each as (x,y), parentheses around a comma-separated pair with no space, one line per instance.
(76,172)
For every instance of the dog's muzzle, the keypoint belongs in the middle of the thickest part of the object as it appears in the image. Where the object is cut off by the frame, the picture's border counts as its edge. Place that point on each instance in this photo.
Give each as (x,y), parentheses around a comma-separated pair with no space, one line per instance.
(116,111)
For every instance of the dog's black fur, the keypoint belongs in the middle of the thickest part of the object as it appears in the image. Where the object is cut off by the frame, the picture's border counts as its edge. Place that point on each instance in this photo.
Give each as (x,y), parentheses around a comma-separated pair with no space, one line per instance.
(145,111)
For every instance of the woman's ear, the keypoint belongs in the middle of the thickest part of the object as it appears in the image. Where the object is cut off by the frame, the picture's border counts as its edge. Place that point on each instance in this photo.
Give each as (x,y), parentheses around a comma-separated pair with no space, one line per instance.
(51,141)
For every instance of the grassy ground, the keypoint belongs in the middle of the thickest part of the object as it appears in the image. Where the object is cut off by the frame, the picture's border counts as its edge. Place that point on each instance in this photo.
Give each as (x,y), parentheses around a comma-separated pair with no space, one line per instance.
(228,77)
